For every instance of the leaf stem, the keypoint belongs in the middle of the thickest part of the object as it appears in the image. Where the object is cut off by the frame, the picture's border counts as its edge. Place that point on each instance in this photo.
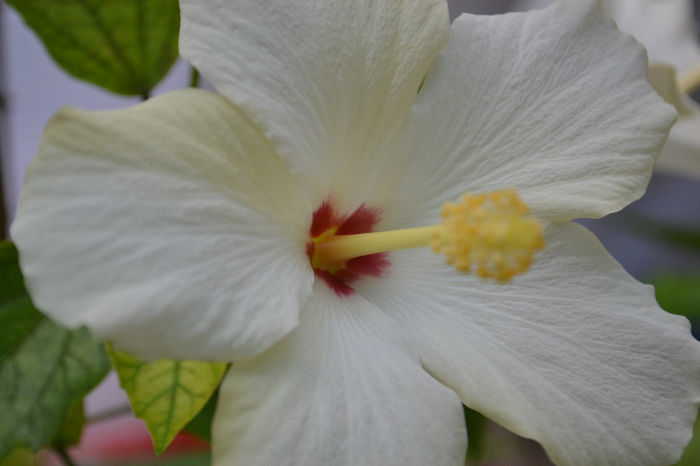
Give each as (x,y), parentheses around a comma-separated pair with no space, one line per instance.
(194,77)
(63,454)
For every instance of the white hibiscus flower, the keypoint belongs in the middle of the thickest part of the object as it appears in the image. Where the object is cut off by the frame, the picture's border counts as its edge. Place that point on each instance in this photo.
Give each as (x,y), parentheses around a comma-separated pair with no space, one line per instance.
(186,227)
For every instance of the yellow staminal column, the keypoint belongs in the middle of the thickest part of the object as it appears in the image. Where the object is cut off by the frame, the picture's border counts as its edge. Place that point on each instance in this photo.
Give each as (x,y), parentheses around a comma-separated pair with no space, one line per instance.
(689,81)
(492,233)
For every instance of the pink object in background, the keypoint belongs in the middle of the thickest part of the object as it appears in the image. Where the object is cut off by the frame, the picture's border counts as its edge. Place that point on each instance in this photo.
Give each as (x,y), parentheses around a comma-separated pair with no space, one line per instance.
(124,440)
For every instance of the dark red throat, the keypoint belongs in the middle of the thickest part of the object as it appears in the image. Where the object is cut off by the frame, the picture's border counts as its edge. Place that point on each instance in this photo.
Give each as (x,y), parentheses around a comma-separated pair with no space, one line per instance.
(362,220)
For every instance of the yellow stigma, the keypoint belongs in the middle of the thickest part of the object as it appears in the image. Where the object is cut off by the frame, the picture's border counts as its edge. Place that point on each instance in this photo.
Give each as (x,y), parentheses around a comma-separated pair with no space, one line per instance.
(491,233)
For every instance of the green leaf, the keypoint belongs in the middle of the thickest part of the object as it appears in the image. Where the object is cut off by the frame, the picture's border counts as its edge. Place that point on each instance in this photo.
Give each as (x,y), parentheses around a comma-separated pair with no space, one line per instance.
(476,429)
(43,368)
(126,46)
(679,294)
(72,428)
(200,425)
(166,394)
(684,236)
(21,457)
(691,455)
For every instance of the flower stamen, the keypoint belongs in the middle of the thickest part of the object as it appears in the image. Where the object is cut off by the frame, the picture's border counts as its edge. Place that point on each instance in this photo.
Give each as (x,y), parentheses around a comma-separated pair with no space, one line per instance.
(689,81)
(490,232)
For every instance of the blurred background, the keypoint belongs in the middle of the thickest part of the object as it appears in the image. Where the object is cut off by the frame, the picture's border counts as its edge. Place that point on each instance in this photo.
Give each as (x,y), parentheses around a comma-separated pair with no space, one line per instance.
(657,239)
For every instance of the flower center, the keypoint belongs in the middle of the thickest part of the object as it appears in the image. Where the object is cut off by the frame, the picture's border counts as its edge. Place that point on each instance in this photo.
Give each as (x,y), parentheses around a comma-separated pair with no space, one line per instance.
(491,234)
(327,224)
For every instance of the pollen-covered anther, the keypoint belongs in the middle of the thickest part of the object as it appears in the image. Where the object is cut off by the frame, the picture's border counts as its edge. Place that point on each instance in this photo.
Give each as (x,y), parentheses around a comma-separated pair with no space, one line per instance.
(491,234)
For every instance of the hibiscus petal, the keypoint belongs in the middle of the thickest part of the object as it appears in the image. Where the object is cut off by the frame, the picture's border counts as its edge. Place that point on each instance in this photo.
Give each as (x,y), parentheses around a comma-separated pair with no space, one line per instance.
(554,103)
(163,227)
(664,79)
(681,154)
(330,81)
(342,389)
(665,27)
(574,354)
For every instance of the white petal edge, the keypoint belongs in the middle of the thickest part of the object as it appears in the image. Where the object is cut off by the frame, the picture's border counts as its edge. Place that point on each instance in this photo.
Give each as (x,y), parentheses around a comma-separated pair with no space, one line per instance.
(681,154)
(344,388)
(329,82)
(575,354)
(554,103)
(665,27)
(163,228)
(664,79)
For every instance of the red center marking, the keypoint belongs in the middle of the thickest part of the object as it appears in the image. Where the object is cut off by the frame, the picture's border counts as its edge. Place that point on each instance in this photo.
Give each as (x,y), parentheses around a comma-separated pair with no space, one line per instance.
(362,220)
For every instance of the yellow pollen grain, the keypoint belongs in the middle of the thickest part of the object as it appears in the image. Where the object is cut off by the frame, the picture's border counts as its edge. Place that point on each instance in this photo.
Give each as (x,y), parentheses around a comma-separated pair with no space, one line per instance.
(490,234)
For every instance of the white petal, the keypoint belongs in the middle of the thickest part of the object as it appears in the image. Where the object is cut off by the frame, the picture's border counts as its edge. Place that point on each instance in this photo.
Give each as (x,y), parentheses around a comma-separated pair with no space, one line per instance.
(574,354)
(554,103)
(343,389)
(665,27)
(163,227)
(330,82)
(664,79)
(681,154)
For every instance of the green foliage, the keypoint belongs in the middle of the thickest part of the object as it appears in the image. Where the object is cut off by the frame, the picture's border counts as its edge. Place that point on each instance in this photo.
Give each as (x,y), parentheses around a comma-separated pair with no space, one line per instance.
(166,394)
(200,425)
(44,368)
(476,429)
(683,236)
(126,46)
(691,455)
(72,428)
(21,457)
(679,294)
(678,235)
